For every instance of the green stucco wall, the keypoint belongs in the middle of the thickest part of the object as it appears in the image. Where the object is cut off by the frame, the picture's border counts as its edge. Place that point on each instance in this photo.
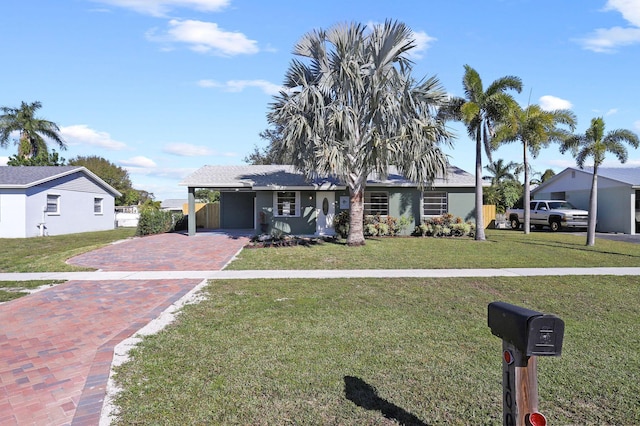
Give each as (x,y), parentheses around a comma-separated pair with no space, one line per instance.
(305,224)
(237,209)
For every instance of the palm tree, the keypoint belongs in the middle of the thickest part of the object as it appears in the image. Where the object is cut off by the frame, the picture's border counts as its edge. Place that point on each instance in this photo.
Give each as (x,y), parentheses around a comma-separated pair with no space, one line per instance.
(501,171)
(481,111)
(535,128)
(353,109)
(32,130)
(594,143)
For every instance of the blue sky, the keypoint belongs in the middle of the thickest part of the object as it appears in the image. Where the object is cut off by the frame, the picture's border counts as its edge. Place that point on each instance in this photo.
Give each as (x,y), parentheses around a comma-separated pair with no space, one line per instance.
(162,87)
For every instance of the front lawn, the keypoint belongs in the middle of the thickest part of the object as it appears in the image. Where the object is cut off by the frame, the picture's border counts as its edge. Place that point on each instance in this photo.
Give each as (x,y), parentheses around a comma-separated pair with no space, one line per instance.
(385,351)
(49,254)
(503,249)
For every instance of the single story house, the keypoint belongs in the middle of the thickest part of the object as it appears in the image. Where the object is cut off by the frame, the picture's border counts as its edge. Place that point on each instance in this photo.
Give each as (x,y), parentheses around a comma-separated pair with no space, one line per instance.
(53,200)
(618,195)
(261,198)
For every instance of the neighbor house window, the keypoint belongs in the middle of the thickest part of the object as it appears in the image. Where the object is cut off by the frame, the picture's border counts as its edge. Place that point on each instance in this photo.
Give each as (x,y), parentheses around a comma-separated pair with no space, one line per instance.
(287,203)
(434,203)
(53,204)
(376,203)
(97,205)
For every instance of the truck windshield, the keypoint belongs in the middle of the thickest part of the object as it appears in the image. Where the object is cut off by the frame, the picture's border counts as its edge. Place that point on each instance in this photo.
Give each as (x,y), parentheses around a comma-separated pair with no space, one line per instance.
(560,205)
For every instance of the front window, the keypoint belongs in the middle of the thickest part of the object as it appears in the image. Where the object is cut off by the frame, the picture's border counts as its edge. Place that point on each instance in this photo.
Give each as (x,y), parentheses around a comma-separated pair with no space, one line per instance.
(53,204)
(434,203)
(287,203)
(376,203)
(97,205)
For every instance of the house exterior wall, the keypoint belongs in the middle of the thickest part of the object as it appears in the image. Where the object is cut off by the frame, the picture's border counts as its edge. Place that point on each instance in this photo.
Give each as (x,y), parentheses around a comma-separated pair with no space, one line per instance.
(13,216)
(76,208)
(237,210)
(402,202)
(462,203)
(303,224)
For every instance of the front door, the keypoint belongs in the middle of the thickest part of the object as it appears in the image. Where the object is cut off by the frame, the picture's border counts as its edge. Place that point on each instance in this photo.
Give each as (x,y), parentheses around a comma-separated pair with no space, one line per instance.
(325,212)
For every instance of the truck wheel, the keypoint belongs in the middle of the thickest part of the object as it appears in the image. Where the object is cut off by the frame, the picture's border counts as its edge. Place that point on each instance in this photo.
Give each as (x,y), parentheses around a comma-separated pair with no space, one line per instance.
(515,224)
(555,225)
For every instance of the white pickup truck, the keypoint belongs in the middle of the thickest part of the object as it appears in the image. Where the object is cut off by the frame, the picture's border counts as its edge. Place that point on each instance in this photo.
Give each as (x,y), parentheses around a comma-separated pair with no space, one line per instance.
(556,214)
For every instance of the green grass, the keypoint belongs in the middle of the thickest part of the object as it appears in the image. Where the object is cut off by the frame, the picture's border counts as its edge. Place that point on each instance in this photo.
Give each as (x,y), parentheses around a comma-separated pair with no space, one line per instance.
(10,290)
(386,351)
(503,249)
(49,254)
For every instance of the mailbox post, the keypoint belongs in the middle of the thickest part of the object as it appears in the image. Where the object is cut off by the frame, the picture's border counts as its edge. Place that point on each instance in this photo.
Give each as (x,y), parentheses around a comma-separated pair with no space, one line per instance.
(525,335)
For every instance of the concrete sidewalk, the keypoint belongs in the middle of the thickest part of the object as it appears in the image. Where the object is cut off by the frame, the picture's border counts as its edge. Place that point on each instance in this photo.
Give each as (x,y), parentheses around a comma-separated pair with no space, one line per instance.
(316,273)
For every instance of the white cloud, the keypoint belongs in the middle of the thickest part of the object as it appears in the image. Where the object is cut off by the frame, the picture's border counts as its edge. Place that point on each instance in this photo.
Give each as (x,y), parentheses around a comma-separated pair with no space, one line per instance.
(612,111)
(423,42)
(239,85)
(187,150)
(636,124)
(551,103)
(630,10)
(162,7)
(205,37)
(4,161)
(607,40)
(139,161)
(81,134)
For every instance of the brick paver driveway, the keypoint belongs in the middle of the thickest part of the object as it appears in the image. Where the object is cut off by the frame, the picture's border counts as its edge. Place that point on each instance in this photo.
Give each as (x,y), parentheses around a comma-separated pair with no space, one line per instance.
(207,251)
(56,346)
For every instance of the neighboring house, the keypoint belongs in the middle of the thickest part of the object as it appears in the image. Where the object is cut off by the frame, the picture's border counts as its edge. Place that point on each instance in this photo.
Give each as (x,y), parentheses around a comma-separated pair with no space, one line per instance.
(264,198)
(53,200)
(618,195)
(174,205)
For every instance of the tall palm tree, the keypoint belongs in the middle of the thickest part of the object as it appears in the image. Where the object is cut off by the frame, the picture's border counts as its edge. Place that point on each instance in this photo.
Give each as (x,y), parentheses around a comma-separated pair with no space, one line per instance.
(501,171)
(481,111)
(595,143)
(350,108)
(32,130)
(535,128)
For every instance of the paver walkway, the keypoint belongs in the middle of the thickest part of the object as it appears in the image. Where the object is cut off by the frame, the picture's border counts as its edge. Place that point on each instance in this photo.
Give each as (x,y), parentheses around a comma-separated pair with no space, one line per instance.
(56,346)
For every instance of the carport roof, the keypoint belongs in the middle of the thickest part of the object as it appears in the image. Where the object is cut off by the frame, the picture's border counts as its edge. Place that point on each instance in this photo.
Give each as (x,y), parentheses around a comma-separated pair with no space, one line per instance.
(271,177)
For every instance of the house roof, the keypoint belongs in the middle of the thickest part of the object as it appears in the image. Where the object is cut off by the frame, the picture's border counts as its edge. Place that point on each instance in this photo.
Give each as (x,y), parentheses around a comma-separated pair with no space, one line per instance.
(282,176)
(173,203)
(629,175)
(626,175)
(27,176)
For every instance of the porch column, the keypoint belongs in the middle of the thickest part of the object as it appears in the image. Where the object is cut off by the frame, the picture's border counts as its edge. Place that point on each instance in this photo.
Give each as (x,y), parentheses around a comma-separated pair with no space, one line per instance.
(192,211)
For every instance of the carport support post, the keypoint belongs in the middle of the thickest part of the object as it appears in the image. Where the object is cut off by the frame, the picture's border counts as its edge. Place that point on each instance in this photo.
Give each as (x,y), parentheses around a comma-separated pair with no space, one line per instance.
(192,211)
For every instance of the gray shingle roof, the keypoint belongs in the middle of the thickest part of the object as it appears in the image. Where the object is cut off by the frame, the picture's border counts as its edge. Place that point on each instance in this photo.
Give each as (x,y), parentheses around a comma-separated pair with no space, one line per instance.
(25,176)
(28,176)
(276,176)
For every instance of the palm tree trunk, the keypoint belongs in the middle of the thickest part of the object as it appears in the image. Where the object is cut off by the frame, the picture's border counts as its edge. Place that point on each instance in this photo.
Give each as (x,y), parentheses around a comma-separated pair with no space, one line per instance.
(356,215)
(593,208)
(527,192)
(479,216)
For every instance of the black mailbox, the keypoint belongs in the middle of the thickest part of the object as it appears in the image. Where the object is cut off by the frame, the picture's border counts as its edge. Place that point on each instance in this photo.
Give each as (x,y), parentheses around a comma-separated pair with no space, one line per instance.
(531,332)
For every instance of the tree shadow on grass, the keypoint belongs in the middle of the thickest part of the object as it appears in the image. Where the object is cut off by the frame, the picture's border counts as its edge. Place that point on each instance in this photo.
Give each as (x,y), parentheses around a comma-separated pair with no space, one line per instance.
(364,395)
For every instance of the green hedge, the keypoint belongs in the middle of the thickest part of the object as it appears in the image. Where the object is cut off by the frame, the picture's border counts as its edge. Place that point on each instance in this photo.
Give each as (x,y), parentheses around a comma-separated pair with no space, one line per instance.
(153,221)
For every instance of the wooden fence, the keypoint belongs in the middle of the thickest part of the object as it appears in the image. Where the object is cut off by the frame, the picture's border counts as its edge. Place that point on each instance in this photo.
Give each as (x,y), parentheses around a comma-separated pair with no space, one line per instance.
(488,215)
(207,215)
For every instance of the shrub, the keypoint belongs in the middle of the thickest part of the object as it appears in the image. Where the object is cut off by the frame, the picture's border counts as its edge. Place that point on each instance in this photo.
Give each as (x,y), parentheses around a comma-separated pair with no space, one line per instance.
(153,221)
(341,223)
(446,225)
